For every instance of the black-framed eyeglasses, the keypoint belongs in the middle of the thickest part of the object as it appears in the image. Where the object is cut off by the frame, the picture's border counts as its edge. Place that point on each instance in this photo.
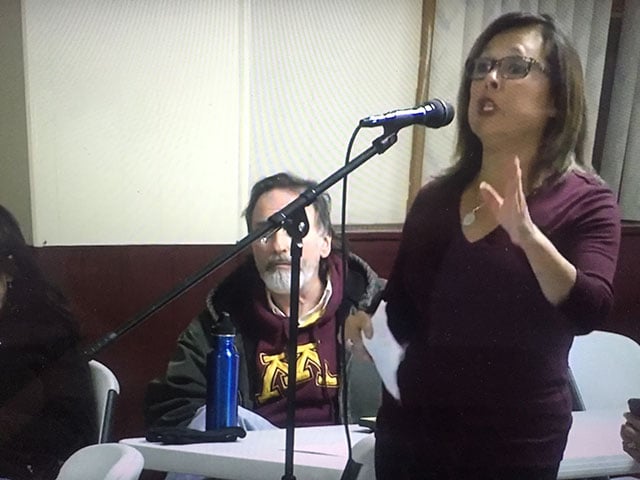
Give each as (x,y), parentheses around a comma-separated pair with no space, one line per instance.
(510,67)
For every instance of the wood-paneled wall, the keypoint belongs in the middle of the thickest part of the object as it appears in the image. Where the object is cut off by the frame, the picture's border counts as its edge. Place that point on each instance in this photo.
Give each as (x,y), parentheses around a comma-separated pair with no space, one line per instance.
(107,286)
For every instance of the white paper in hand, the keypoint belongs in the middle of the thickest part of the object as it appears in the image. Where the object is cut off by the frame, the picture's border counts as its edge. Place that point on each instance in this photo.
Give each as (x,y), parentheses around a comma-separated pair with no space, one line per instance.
(386,352)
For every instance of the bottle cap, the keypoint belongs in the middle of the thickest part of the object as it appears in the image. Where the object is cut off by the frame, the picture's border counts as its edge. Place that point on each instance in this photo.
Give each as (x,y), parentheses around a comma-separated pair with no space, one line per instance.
(224,325)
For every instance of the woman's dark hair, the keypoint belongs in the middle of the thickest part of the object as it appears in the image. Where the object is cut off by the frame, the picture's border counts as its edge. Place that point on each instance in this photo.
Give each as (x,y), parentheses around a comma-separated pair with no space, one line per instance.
(563,138)
(28,288)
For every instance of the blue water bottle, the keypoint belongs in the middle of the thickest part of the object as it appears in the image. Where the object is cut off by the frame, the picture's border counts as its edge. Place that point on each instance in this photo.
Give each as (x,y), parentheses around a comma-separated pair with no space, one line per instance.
(222,377)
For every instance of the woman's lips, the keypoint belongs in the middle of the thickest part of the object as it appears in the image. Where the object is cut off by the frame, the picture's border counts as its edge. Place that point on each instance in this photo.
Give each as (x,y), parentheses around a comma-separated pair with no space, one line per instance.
(486,106)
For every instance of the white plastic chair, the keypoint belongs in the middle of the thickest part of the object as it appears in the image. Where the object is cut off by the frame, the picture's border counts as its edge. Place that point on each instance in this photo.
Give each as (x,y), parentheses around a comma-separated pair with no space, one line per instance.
(606,370)
(364,452)
(106,389)
(104,461)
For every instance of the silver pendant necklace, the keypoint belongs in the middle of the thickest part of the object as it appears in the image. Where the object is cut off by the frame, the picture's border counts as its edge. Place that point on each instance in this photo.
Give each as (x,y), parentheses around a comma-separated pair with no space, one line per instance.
(470,217)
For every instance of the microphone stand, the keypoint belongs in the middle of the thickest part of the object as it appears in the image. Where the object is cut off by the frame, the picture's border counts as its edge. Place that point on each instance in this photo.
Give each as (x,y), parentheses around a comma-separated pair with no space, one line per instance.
(293,219)
(297,228)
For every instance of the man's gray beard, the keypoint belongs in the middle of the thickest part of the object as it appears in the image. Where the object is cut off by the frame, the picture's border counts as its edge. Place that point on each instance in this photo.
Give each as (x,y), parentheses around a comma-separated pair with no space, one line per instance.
(279,280)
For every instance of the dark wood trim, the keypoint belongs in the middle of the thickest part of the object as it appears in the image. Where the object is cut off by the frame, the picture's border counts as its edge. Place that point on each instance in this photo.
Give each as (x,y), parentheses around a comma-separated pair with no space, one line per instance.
(422,92)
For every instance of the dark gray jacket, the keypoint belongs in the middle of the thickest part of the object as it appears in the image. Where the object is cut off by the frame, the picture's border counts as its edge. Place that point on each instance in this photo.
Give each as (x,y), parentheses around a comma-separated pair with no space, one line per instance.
(173,399)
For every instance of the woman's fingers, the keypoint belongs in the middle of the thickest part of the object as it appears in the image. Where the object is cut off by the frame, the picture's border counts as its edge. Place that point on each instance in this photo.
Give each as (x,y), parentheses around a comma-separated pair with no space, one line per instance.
(491,198)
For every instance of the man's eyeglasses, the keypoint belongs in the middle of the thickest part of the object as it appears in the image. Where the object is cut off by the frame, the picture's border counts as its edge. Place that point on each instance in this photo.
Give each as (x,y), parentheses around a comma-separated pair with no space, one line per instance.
(508,67)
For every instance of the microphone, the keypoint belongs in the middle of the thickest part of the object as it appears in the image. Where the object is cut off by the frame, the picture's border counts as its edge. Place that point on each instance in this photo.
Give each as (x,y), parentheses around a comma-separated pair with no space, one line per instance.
(434,113)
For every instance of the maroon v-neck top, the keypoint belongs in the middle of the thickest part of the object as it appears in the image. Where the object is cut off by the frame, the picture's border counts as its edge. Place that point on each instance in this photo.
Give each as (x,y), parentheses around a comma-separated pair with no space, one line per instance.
(486,363)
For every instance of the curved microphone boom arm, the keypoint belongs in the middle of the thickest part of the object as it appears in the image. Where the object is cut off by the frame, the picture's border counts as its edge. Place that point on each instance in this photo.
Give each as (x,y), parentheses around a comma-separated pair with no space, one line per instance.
(434,113)
(276,221)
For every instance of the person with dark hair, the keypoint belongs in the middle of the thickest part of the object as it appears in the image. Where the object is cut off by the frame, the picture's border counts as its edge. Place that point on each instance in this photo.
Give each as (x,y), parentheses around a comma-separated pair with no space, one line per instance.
(47,409)
(257,298)
(503,259)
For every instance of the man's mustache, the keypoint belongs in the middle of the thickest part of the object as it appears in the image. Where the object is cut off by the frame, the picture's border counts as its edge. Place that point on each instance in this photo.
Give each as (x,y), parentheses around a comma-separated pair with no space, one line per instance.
(276,260)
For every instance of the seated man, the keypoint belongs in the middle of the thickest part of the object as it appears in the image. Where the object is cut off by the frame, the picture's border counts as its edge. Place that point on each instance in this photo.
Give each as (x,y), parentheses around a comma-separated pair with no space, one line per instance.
(256,296)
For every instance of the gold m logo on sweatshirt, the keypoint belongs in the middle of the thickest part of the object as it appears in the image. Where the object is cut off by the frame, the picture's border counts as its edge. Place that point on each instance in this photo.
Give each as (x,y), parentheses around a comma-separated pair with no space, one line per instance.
(308,367)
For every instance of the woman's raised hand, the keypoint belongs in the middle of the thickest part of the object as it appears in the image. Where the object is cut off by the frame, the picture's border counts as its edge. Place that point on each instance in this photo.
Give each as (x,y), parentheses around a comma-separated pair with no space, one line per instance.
(510,210)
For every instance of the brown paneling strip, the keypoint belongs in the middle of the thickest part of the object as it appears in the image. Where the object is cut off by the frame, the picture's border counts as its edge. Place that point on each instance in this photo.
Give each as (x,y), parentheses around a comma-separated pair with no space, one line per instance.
(422,91)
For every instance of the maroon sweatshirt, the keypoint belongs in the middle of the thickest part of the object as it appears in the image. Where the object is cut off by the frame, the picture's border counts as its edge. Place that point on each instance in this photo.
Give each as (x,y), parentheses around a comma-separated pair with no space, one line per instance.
(485,373)
(317,383)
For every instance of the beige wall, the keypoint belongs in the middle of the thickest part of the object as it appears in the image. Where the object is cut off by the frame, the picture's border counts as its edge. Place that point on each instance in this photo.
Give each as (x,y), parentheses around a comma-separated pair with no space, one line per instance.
(149,120)
(133,120)
(14,165)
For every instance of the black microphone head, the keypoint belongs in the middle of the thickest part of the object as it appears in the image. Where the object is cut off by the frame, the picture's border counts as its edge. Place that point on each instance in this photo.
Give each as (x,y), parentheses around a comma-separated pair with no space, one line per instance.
(435,113)
(441,114)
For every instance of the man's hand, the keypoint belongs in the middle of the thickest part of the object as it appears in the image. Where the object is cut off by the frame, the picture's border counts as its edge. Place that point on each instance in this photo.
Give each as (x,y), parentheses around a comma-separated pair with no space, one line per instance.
(354,325)
(630,433)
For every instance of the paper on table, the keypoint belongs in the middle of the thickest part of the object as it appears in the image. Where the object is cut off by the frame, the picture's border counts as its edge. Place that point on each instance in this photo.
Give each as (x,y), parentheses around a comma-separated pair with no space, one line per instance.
(386,352)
